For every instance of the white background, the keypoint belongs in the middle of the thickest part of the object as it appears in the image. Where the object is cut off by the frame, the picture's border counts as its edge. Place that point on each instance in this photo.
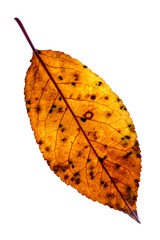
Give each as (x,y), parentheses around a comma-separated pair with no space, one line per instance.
(120,41)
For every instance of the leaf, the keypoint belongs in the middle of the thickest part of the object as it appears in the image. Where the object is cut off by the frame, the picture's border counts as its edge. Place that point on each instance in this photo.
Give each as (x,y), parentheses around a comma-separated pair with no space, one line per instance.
(83,130)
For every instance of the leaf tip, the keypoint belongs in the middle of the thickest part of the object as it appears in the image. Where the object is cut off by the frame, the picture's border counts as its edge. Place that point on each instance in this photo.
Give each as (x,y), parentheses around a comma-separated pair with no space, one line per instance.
(134,216)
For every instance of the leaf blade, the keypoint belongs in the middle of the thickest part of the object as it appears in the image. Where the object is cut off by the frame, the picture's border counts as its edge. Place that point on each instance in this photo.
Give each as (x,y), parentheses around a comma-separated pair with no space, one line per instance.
(81,120)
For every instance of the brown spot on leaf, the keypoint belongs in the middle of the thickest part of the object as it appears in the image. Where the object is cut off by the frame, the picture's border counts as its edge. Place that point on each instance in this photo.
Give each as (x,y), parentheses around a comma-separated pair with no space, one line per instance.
(79,154)
(110,195)
(40,142)
(77,181)
(93,97)
(138,155)
(60,78)
(28,102)
(99,83)
(106,97)
(76,174)
(76,77)
(66,177)
(60,110)
(136,182)
(38,109)
(47,149)
(108,114)
(127,155)
(83,119)
(117,166)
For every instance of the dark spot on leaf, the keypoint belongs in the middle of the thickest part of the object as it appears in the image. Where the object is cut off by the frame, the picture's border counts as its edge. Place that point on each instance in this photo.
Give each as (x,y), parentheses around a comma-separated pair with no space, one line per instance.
(122,107)
(70,162)
(110,195)
(40,142)
(76,174)
(28,102)
(72,165)
(79,154)
(64,139)
(91,167)
(127,155)
(139,155)
(88,115)
(39,51)
(51,110)
(136,182)
(131,127)
(91,173)
(60,78)
(47,149)
(66,177)
(72,179)
(79,96)
(60,125)
(99,83)
(134,198)
(75,77)
(63,129)
(118,99)
(128,188)
(63,169)
(56,168)
(105,185)
(38,109)
(128,137)
(106,97)
(88,160)
(108,114)
(48,162)
(60,98)
(73,83)
(102,182)
(117,206)
(83,119)
(85,66)
(27,109)
(60,110)
(93,97)
(117,166)
(77,181)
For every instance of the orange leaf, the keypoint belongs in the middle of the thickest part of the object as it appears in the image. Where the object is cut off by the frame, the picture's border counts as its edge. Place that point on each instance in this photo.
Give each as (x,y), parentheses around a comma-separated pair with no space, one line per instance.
(83,130)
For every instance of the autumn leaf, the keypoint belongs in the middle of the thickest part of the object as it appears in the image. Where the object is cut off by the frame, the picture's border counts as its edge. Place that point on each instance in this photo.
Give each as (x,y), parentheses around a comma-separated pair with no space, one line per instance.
(83,129)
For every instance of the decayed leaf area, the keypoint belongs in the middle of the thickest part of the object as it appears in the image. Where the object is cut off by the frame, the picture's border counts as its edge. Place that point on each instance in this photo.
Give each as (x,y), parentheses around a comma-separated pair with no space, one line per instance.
(100,157)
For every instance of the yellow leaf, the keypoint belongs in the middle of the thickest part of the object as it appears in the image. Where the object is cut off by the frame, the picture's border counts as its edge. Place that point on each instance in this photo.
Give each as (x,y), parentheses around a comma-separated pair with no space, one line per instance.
(84,130)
